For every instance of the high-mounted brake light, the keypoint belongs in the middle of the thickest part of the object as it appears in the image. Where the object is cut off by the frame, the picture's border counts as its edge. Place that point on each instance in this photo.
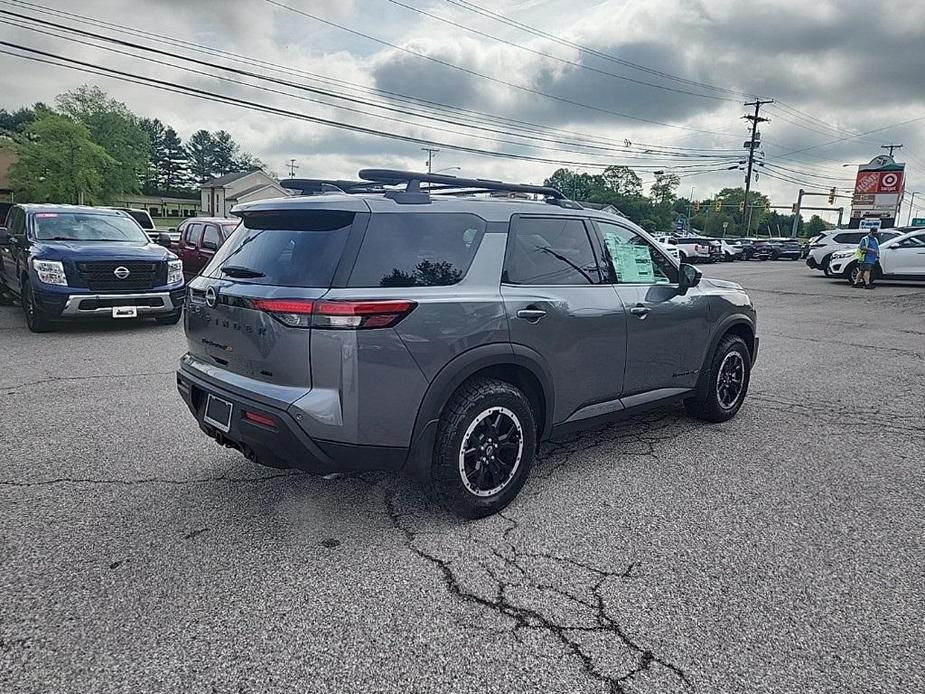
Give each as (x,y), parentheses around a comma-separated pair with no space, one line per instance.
(343,315)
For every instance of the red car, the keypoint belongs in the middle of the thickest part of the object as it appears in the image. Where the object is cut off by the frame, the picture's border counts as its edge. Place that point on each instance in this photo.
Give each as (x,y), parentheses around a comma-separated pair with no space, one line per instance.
(200,237)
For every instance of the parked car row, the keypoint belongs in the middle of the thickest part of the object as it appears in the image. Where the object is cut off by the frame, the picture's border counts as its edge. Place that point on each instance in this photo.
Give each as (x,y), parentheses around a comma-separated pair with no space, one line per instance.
(702,249)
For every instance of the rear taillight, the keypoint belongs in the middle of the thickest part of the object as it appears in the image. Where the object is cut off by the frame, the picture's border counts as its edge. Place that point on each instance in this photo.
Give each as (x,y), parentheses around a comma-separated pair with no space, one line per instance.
(296,313)
(357,315)
(340,315)
(258,418)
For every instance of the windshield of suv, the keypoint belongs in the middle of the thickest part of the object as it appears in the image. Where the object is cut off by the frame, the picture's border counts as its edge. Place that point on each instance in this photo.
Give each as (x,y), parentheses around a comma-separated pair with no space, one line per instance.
(298,248)
(87,226)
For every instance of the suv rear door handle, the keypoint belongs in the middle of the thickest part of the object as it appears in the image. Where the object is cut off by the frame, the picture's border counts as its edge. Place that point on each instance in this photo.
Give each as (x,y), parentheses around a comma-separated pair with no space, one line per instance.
(640,311)
(531,315)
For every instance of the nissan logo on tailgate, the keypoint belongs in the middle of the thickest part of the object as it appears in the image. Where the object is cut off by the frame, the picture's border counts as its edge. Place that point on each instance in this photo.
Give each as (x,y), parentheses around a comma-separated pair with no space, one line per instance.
(211,297)
(121,272)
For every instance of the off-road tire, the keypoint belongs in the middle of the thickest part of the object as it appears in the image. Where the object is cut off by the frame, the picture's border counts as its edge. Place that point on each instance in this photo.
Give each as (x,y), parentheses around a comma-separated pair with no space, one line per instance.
(36,320)
(464,408)
(706,405)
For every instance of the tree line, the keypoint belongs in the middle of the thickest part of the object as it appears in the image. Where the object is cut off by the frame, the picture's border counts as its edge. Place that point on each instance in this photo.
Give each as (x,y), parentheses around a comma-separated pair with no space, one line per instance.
(90,148)
(661,210)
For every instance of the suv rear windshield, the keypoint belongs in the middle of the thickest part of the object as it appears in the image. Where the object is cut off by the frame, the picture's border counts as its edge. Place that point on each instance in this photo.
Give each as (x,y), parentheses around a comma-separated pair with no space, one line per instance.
(428,249)
(298,248)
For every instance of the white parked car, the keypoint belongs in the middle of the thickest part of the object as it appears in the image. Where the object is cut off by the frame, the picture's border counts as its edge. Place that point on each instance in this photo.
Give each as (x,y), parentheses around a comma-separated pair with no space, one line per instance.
(731,251)
(901,258)
(690,249)
(823,246)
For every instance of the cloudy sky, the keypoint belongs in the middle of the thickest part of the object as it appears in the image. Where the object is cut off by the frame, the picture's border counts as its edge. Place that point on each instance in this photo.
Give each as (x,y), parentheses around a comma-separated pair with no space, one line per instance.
(550,81)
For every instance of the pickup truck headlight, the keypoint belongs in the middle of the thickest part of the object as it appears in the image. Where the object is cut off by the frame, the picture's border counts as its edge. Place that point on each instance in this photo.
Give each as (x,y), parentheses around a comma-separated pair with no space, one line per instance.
(174,271)
(50,272)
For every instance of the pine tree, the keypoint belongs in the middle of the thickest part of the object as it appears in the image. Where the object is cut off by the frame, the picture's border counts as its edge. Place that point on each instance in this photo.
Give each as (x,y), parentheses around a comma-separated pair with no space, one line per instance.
(152,176)
(175,164)
(201,152)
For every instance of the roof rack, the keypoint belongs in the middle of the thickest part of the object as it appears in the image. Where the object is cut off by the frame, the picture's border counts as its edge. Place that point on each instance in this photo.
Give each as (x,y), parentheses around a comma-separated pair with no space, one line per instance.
(442,183)
(316,186)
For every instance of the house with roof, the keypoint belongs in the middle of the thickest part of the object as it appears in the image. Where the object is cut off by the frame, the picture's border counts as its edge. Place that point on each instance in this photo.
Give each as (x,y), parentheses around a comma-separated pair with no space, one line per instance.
(220,194)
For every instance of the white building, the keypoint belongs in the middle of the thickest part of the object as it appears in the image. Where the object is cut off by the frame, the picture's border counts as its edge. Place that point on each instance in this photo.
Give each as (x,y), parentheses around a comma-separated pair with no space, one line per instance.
(221,194)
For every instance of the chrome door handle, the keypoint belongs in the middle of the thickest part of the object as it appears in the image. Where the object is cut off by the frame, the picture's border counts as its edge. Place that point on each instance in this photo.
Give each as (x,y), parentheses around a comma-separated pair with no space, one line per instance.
(640,311)
(531,315)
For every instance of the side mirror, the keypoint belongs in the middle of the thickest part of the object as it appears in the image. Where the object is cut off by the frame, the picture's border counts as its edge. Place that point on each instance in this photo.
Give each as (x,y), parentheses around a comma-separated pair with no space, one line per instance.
(172,230)
(209,246)
(4,237)
(688,276)
(163,239)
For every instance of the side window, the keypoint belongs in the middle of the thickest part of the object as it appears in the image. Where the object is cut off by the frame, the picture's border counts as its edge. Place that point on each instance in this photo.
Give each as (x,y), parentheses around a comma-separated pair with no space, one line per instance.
(211,234)
(917,241)
(193,234)
(848,238)
(17,222)
(550,251)
(631,259)
(416,250)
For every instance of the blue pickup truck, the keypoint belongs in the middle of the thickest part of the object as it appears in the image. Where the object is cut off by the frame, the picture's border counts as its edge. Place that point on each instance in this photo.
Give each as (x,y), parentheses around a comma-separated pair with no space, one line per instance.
(65,262)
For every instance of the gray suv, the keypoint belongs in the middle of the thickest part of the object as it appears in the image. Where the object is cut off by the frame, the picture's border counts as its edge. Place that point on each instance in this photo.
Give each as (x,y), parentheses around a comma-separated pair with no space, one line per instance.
(445,330)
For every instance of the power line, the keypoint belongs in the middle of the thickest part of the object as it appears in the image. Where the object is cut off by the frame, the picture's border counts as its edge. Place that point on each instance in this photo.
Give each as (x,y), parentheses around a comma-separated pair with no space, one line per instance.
(477,117)
(478,9)
(164,85)
(532,144)
(752,143)
(484,76)
(543,54)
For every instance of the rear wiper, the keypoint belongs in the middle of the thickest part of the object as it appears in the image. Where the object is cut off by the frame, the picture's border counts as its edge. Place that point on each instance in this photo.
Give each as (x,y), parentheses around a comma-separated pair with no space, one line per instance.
(241,271)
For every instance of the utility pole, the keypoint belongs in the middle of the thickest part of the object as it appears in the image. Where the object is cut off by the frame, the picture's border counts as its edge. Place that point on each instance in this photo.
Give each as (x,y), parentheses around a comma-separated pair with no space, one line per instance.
(292,167)
(431,151)
(755,120)
(796,214)
(891,147)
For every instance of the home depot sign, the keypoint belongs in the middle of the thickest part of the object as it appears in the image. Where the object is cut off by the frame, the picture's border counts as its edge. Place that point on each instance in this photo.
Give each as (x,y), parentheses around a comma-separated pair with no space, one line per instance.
(878,191)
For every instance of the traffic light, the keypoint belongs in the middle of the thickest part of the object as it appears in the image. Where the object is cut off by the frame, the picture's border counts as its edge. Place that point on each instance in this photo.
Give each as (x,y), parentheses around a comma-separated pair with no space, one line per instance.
(742,206)
(718,205)
(832,193)
(696,207)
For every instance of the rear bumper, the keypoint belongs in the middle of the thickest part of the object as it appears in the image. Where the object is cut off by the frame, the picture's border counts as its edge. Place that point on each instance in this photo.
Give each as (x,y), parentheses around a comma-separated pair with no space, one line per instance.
(811,263)
(286,443)
(67,306)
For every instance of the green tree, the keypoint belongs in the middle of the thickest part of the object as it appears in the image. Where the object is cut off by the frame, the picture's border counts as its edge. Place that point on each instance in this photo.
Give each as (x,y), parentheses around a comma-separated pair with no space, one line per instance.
(815,226)
(201,151)
(153,175)
(573,185)
(225,153)
(175,166)
(114,128)
(622,181)
(663,190)
(59,162)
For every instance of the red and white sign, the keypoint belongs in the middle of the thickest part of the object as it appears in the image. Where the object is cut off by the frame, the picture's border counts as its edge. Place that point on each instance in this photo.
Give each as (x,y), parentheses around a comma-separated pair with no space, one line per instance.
(878,182)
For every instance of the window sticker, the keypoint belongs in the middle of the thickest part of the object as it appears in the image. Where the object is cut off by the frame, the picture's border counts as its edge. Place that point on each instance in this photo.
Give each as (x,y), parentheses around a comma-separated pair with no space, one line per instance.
(633,264)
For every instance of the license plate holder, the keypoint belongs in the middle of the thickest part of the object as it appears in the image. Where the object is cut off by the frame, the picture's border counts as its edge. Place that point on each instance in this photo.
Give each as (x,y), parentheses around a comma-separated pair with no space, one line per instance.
(218,413)
(125,312)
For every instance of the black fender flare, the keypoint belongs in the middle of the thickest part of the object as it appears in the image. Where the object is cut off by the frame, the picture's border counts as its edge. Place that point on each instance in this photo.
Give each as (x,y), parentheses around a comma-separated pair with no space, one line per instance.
(453,374)
(718,332)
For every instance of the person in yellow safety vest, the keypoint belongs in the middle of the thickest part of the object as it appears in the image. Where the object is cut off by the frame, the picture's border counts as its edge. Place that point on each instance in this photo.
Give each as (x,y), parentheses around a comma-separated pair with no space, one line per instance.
(868,253)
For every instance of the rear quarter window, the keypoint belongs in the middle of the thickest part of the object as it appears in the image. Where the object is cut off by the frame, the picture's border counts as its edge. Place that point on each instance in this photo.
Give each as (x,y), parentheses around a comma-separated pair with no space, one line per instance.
(847,238)
(417,250)
(291,248)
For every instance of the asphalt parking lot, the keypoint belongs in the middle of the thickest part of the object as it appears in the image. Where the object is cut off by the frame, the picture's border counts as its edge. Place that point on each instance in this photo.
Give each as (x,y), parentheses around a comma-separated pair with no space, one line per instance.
(779,552)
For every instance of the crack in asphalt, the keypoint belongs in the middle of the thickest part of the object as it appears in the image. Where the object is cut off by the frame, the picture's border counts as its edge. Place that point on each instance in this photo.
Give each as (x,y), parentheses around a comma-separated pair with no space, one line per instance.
(152,480)
(527,618)
(57,379)
(894,422)
(879,348)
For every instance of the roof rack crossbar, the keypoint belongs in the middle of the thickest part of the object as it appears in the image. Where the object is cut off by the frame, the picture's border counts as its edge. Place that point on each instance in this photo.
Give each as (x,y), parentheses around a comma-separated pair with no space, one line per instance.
(413,181)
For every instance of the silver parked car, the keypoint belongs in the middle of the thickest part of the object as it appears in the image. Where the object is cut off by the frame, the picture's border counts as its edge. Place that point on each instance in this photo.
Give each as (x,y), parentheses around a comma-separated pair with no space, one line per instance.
(447,334)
